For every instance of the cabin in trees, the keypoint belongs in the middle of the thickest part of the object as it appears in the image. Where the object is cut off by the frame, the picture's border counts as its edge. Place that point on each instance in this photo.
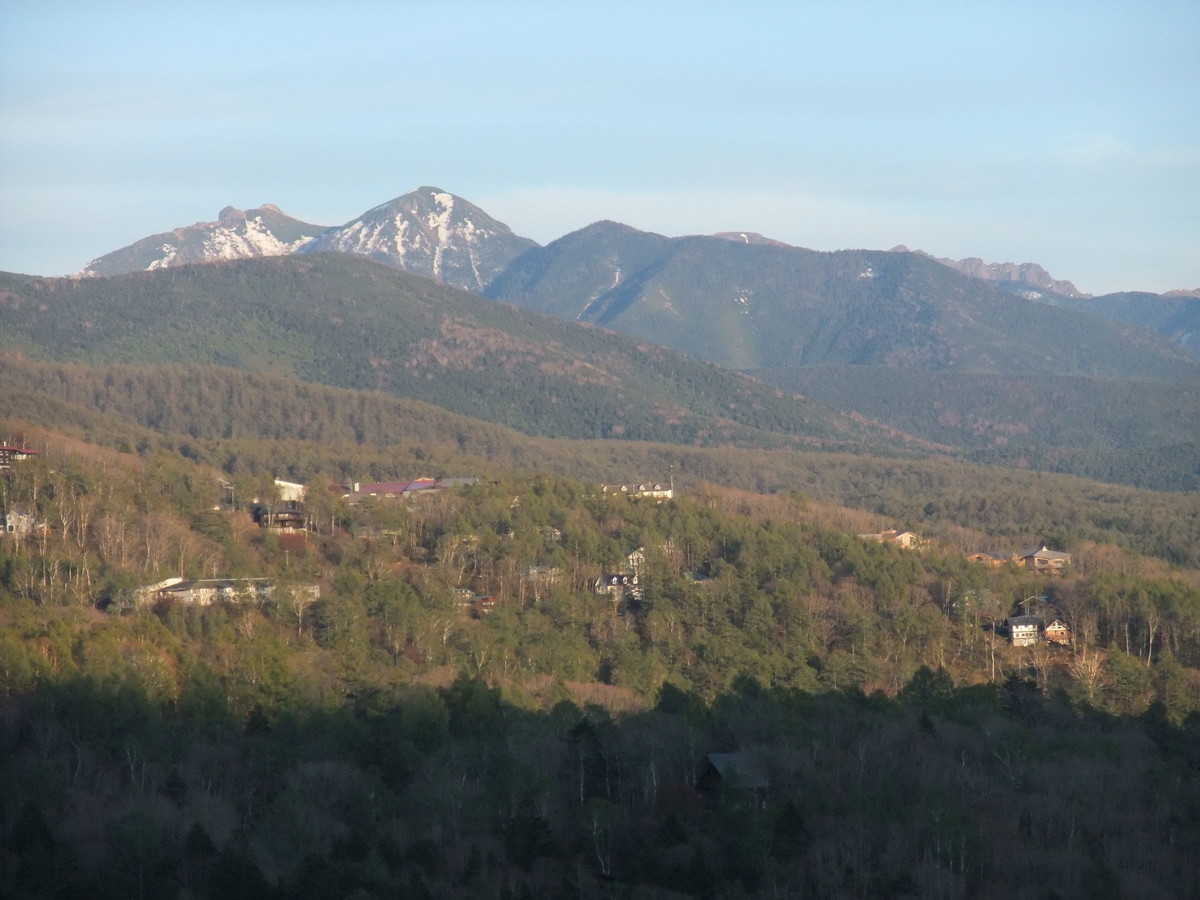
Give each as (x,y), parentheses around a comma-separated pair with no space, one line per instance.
(737,771)
(1057,633)
(905,539)
(290,491)
(619,586)
(991,560)
(481,604)
(1023,631)
(286,514)
(395,490)
(284,510)
(1046,560)
(388,490)
(20,524)
(10,455)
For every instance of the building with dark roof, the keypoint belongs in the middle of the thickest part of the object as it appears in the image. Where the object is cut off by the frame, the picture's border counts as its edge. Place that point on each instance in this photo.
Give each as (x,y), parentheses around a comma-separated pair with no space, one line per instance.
(1046,560)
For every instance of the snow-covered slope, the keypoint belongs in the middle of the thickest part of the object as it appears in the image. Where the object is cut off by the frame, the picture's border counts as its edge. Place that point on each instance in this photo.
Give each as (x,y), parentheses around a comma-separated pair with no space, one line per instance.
(431,233)
(237,234)
(427,232)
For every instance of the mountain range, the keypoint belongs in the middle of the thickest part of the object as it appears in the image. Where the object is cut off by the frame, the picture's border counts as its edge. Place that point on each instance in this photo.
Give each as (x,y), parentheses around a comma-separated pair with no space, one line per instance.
(430,298)
(427,232)
(433,233)
(340,320)
(755,305)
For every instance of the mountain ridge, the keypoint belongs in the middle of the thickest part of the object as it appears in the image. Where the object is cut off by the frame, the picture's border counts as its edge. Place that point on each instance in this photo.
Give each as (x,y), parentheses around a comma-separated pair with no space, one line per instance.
(1028,273)
(348,322)
(752,305)
(349,237)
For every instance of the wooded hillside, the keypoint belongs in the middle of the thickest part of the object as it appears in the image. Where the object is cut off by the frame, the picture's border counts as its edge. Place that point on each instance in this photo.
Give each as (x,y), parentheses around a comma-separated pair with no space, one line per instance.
(532,683)
(399,735)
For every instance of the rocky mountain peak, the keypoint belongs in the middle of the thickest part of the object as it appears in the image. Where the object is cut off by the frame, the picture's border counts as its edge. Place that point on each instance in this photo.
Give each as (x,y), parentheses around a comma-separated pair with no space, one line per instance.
(429,232)
(236,234)
(1030,274)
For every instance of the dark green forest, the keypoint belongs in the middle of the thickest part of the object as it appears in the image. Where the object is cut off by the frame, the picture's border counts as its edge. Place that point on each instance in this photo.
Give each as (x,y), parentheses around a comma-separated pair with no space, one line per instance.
(1141,432)
(764,306)
(258,424)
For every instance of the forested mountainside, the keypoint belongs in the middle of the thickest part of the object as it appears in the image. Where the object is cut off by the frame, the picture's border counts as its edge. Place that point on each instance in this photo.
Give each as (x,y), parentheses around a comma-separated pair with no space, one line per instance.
(1142,432)
(344,321)
(1175,316)
(804,673)
(759,306)
(433,233)
(255,425)
(775,704)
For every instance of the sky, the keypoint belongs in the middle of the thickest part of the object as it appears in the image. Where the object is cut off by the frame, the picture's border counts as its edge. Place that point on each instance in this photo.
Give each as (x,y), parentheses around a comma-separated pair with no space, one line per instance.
(1061,133)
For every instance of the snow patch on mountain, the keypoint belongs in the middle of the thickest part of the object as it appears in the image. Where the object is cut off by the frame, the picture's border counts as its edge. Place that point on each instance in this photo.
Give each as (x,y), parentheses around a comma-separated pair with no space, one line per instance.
(428,232)
(169,251)
(237,234)
(254,238)
(432,233)
(439,223)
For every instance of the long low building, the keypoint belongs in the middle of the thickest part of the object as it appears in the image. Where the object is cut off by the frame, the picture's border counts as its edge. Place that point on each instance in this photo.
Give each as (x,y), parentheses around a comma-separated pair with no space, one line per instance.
(206,591)
(652,489)
(393,490)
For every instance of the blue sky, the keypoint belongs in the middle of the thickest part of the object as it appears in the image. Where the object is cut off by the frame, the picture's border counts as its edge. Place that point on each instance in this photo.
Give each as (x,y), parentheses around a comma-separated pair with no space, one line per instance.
(1066,134)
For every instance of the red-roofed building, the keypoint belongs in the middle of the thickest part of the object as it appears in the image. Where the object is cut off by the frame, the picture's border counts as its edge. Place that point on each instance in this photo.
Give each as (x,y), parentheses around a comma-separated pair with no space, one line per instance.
(10,455)
(393,490)
(380,489)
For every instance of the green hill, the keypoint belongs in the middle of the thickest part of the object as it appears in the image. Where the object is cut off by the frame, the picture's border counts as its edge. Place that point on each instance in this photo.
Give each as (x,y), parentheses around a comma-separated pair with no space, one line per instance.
(348,322)
(260,425)
(1174,316)
(1133,431)
(760,305)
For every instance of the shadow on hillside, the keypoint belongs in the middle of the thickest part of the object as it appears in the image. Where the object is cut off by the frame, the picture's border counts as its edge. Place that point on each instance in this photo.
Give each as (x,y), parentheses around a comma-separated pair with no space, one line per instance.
(458,791)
